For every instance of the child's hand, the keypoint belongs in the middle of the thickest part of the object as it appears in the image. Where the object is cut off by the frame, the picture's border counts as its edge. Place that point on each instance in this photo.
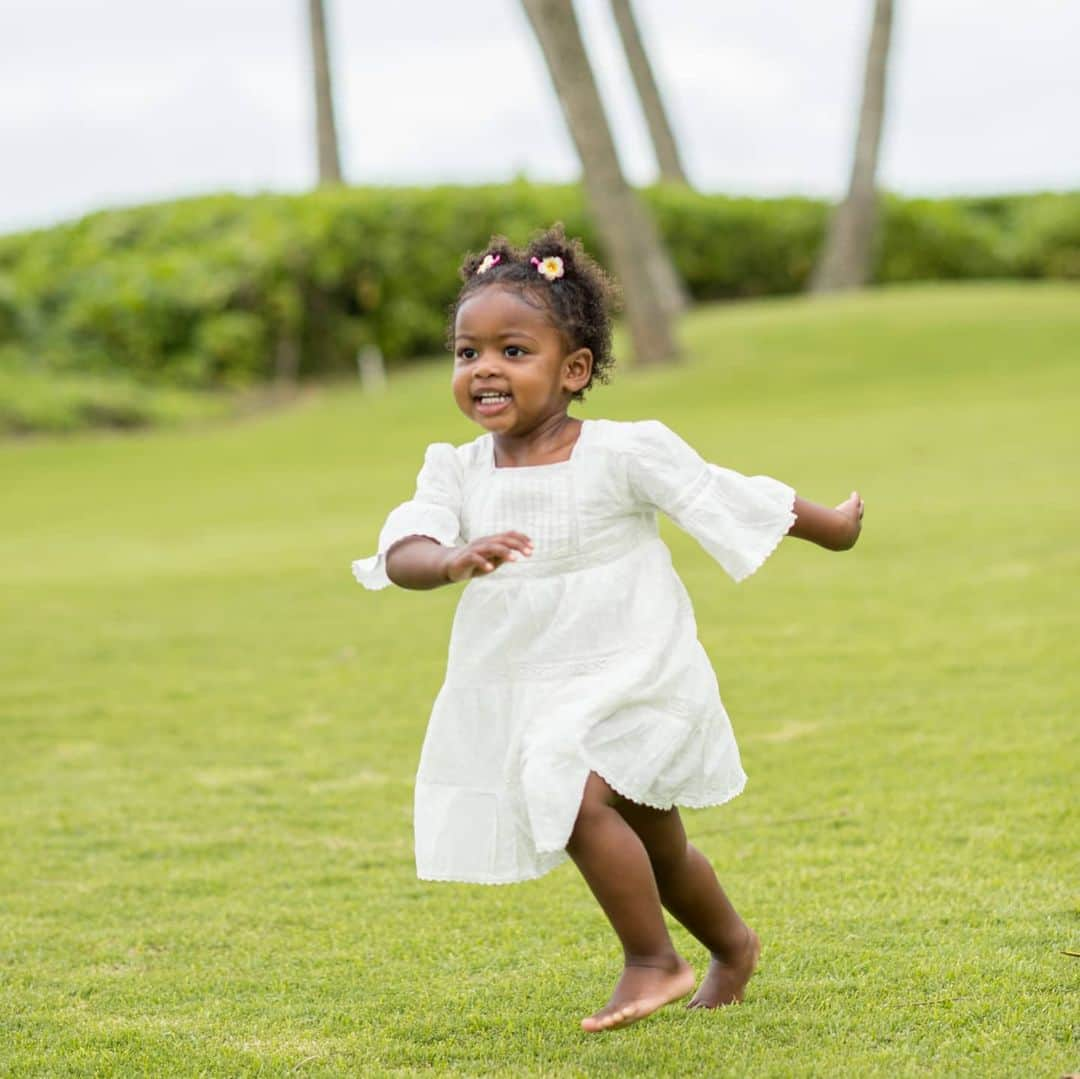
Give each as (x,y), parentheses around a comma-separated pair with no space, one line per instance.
(851,509)
(485,555)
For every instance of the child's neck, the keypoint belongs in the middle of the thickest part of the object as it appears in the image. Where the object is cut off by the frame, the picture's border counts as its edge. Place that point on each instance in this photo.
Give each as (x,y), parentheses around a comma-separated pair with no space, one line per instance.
(548,443)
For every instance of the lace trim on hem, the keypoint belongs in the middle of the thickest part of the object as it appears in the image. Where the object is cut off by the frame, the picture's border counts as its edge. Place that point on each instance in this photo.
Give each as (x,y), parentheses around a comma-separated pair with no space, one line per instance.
(760,558)
(492,882)
(371,572)
(686,803)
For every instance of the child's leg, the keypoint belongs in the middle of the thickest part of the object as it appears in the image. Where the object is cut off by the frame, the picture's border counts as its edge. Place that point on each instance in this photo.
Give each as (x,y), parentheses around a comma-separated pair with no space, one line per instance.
(616,866)
(689,889)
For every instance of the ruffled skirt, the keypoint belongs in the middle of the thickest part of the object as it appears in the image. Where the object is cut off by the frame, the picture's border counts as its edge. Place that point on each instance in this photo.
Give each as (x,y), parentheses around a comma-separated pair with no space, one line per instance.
(549,678)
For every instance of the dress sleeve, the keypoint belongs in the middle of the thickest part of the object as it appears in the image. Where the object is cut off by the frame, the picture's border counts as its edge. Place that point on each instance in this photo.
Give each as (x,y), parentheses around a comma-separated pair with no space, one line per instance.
(433,511)
(738,519)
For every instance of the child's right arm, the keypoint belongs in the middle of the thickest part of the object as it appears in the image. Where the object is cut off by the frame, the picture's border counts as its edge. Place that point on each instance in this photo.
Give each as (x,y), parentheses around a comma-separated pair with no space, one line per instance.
(420,562)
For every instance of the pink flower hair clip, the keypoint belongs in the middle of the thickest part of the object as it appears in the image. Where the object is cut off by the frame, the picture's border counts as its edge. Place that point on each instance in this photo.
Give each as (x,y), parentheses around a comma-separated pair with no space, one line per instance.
(551,267)
(487,262)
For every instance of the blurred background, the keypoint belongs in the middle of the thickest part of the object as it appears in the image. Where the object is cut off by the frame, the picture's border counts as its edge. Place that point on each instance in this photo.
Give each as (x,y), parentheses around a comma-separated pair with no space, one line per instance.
(721,154)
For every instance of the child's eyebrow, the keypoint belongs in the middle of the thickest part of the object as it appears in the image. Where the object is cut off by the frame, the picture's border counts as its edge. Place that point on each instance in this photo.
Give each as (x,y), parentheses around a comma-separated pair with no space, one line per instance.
(498,336)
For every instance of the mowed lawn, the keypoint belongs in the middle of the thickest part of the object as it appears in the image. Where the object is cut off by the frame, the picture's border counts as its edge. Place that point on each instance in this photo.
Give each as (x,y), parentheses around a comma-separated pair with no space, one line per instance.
(210,731)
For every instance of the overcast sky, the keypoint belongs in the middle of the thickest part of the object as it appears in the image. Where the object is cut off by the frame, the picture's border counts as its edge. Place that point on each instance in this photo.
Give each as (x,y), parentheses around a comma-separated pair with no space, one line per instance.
(132,100)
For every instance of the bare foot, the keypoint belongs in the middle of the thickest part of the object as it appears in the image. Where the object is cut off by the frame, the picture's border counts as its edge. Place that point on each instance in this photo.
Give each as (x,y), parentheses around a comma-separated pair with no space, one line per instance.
(640,991)
(725,980)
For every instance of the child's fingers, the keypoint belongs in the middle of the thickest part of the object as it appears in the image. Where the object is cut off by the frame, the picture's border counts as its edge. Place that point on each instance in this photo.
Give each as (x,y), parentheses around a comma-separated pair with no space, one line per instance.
(469,564)
(518,540)
(503,552)
(487,554)
(505,542)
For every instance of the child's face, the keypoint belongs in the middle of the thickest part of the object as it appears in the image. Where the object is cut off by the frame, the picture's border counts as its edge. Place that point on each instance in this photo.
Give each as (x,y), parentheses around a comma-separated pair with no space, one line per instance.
(512,370)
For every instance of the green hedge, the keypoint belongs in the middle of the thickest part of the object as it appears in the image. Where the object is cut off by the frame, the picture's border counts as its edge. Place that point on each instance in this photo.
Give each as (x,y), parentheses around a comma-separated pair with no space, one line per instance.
(51,402)
(228,291)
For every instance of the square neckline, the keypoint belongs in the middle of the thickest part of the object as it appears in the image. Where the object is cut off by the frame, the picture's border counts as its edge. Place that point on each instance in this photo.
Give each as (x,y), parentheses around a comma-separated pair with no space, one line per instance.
(493,467)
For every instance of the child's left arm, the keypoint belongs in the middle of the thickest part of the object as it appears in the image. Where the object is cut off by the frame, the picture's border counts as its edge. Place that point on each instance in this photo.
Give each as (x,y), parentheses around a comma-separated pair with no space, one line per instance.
(835,529)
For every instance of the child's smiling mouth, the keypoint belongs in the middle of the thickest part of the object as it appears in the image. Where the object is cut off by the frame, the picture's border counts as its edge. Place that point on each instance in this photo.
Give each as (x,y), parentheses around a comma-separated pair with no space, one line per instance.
(490,402)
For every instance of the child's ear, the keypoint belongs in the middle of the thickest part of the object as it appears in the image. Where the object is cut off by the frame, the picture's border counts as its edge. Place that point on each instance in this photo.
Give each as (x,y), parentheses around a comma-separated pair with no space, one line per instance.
(577,369)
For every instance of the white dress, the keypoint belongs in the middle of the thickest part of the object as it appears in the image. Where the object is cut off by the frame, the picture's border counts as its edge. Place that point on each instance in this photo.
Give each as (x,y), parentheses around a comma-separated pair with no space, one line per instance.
(583,657)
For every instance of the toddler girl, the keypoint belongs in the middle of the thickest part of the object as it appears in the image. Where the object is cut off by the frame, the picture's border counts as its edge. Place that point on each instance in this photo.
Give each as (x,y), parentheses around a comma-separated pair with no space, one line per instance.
(579,708)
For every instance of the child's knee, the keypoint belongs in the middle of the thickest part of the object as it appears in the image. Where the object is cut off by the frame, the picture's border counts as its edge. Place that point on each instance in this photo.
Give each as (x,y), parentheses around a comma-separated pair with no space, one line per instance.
(669,856)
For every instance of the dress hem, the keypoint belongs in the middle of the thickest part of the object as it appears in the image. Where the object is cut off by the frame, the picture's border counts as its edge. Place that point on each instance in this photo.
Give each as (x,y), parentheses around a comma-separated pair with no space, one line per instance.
(686,803)
(495,882)
(728,795)
(731,792)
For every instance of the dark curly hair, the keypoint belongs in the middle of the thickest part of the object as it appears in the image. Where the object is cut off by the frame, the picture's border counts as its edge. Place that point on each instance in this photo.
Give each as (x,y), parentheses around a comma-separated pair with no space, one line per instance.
(580,303)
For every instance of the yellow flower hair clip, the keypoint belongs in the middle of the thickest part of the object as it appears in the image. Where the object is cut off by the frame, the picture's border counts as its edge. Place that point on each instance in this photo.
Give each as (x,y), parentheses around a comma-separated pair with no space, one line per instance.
(551,267)
(488,262)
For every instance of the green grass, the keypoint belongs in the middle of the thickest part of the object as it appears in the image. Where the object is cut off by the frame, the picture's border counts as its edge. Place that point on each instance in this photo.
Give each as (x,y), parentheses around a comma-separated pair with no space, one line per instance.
(52,402)
(210,732)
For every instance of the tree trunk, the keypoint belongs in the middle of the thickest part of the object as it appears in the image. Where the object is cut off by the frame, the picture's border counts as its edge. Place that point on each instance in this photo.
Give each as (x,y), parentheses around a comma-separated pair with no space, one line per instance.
(325,128)
(847,259)
(629,233)
(286,361)
(663,138)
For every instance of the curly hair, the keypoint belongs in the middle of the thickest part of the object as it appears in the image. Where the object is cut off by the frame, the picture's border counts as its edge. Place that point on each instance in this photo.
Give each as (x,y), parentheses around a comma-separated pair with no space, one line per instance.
(580,302)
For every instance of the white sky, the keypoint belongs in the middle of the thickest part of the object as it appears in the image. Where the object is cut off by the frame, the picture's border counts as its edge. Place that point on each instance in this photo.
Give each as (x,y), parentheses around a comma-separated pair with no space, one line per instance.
(132,100)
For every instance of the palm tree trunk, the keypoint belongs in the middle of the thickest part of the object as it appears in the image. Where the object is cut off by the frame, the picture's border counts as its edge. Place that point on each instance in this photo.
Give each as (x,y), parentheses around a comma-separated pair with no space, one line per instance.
(847,260)
(628,232)
(663,138)
(326,130)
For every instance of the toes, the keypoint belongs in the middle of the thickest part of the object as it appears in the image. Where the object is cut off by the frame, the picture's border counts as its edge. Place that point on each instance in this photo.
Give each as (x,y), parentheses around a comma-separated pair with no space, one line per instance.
(618,1018)
(594,1023)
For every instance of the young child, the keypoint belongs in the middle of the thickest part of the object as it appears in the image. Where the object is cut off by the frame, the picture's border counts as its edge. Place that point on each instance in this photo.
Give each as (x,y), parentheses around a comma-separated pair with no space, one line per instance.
(579,708)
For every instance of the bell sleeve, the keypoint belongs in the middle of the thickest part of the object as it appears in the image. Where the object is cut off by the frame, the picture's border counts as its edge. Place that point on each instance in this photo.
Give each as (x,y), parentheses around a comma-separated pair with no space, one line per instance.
(738,519)
(434,511)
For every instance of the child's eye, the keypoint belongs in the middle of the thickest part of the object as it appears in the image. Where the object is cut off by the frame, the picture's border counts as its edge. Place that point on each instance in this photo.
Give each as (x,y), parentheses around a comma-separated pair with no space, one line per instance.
(513,351)
(466,353)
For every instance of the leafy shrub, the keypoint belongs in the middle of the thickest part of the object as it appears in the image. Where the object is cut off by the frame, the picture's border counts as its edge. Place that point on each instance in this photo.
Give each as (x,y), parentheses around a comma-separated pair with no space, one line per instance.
(938,240)
(229,291)
(1046,239)
(34,401)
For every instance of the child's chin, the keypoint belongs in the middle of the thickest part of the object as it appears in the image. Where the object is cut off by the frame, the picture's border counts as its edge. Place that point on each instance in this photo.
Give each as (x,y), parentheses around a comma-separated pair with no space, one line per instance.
(493,420)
